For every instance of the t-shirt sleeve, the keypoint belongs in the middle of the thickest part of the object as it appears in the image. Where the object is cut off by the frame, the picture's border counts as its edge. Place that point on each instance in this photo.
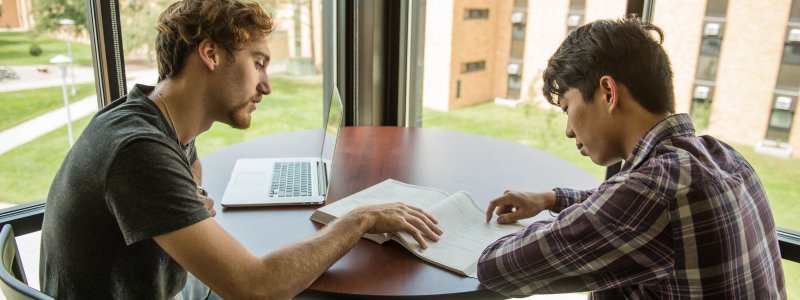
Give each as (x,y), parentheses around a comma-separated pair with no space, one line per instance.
(150,191)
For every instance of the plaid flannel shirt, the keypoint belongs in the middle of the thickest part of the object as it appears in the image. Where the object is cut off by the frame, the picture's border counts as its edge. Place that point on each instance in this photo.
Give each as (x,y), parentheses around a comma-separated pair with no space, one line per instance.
(686,217)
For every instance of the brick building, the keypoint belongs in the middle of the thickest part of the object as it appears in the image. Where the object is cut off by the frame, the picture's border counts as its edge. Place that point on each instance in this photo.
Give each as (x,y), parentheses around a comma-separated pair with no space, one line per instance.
(736,62)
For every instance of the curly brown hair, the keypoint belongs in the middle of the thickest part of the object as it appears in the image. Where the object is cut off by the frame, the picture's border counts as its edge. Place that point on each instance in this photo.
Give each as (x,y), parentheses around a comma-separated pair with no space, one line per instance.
(231,24)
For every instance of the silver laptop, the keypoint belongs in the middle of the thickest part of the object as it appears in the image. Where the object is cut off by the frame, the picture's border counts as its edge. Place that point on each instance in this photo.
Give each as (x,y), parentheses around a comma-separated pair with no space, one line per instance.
(287,181)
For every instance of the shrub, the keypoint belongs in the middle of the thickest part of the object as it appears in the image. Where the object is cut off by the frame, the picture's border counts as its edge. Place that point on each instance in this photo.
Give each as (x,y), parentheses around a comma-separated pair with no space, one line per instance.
(35,50)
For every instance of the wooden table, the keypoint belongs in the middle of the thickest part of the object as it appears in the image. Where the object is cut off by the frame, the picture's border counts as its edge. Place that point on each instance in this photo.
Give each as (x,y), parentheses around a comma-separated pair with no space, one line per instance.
(451,161)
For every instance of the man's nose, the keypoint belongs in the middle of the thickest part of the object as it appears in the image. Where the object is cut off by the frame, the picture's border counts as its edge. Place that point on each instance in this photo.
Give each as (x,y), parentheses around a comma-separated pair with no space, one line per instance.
(570,133)
(264,88)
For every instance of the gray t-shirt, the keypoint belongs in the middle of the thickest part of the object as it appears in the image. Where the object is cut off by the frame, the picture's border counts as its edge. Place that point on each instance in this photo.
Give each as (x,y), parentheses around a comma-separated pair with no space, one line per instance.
(124,181)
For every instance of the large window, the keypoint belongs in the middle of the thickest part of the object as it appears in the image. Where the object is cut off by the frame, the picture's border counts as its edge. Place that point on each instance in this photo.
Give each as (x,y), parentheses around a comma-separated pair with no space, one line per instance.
(735,64)
(47,96)
(295,69)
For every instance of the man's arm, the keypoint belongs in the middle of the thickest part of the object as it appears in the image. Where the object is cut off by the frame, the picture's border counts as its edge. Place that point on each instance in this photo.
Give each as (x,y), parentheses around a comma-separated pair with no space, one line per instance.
(567,197)
(619,236)
(197,174)
(517,205)
(221,262)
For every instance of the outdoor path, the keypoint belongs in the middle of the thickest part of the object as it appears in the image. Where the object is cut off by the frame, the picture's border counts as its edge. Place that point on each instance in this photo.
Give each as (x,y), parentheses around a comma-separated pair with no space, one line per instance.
(29,78)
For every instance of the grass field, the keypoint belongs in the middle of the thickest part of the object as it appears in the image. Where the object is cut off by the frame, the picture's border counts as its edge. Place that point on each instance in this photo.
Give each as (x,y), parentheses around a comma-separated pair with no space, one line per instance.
(14,50)
(19,106)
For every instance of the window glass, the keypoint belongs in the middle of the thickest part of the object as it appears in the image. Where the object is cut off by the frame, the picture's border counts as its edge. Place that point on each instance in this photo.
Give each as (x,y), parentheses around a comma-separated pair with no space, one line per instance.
(789,73)
(477,14)
(742,62)
(717,8)
(45,61)
(795,12)
(745,62)
(294,70)
(707,67)
(474,66)
(513,52)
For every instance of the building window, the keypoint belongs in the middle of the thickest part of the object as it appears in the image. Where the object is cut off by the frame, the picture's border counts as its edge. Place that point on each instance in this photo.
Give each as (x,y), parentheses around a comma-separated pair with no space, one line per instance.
(789,74)
(477,14)
(514,82)
(780,120)
(716,8)
(518,32)
(473,66)
(701,106)
(575,15)
(458,89)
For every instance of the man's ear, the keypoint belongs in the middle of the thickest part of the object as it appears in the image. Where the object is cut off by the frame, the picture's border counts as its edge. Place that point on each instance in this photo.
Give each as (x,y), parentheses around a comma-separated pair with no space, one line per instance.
(610,91)
(209,53)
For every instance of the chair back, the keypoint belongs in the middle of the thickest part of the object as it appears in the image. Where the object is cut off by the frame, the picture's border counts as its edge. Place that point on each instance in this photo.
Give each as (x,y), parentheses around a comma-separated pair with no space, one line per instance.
(13,282)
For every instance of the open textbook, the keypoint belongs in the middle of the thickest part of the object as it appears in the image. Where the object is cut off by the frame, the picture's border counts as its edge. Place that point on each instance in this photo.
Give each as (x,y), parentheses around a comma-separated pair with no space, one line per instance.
(466,232)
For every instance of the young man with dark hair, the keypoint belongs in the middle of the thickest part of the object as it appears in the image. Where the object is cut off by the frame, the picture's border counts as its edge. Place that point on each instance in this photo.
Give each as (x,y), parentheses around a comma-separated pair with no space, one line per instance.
(686,216)
(124,218)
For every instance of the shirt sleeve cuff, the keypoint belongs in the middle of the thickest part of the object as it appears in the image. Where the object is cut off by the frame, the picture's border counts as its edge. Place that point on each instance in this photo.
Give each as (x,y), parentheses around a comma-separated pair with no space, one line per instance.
(567,197)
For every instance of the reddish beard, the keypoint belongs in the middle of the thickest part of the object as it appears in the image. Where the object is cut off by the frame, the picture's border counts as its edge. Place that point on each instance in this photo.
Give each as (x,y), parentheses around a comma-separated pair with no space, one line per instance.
(239,117)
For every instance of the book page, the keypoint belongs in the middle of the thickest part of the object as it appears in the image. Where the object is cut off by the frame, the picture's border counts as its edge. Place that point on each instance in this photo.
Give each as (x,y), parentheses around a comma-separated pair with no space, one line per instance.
(388,191)
(466,235)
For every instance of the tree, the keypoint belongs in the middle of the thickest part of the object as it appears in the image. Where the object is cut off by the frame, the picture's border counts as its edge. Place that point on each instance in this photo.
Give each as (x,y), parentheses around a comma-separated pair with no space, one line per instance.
(48,12)
(139,19)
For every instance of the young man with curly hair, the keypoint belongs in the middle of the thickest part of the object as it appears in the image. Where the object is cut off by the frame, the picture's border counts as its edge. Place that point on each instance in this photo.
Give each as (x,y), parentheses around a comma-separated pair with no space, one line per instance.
(124,219)
(686,217)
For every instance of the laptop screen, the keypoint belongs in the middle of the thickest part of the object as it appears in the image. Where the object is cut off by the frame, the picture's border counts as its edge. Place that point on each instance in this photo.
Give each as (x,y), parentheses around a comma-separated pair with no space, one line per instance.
(332,124)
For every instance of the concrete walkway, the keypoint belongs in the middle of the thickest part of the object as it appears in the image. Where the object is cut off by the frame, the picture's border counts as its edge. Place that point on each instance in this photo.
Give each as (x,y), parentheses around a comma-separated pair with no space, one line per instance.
(41,125)
(55,119)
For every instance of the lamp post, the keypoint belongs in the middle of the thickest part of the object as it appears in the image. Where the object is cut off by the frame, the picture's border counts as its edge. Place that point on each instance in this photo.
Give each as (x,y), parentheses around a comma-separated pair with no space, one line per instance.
(62,61)
(69,23)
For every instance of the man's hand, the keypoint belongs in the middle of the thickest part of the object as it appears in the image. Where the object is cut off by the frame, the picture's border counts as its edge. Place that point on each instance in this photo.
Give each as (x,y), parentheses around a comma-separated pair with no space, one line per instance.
(516,205)
(208,203)
(394,217)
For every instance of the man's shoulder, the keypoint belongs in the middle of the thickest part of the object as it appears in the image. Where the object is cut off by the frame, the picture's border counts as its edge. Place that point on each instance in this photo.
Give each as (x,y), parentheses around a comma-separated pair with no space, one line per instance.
(123,121)
(690,162)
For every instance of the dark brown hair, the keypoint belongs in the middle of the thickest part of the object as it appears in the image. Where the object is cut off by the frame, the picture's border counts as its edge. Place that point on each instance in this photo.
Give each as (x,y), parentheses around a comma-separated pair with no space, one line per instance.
(623,49)
(232,24)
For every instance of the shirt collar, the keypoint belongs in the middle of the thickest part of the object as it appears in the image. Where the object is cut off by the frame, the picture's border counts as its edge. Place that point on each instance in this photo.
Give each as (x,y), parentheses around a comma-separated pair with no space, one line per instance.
(672,126)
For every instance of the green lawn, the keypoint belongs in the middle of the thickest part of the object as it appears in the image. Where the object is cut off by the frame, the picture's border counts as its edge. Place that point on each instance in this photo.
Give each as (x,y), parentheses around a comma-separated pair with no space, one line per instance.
(14,50)
(19,106)
(539,128)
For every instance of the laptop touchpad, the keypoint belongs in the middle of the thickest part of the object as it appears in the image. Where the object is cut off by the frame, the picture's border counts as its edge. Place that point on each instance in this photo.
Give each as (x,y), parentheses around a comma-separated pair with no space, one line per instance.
(251,178)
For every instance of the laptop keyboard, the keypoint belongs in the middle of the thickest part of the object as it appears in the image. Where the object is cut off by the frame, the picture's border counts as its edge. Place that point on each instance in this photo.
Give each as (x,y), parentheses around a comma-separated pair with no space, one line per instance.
(291,179)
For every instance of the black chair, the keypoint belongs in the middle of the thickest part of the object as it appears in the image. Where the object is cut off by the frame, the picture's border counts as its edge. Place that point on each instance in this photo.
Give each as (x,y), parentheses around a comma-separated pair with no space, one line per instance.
(13,282)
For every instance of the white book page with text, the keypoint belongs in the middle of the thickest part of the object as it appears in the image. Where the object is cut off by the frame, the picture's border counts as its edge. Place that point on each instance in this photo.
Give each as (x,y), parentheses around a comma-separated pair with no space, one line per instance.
(466,234)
